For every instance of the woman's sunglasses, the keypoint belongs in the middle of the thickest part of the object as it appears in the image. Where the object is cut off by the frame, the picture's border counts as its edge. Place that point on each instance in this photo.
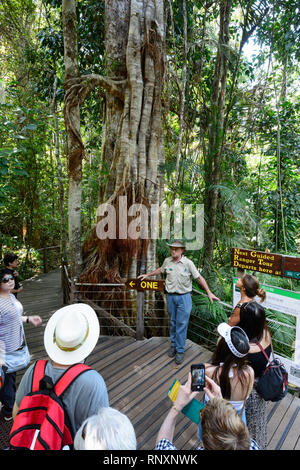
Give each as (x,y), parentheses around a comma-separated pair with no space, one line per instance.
(7,279)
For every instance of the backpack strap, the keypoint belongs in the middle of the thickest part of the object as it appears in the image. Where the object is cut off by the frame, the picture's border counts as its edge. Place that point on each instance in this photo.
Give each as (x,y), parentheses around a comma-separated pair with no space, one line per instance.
(264,352)
(38,374)
(68,377)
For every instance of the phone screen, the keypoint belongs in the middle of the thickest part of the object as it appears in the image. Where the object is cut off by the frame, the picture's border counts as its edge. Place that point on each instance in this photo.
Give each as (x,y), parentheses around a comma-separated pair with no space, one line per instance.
(198,377)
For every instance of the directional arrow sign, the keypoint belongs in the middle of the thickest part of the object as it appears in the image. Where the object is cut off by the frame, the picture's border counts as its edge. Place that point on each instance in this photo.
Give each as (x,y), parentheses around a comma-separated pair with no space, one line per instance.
(146,284)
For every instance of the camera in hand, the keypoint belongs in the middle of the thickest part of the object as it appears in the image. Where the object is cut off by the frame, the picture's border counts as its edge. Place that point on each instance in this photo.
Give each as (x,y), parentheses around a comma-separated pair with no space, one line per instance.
(198,377)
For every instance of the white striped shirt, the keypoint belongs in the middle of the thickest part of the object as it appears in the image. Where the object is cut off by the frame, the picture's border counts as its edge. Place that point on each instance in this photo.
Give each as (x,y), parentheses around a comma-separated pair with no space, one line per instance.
(11,327)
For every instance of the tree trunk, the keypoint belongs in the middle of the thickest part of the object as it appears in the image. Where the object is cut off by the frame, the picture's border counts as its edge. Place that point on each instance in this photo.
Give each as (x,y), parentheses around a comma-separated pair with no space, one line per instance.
(132,141)
(74,143)
(64,256)
(132,146)
(181,100)
(215,136)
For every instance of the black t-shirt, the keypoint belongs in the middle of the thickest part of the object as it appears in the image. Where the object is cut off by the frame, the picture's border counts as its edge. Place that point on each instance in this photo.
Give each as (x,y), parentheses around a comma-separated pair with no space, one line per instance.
(11,271)
(258,361)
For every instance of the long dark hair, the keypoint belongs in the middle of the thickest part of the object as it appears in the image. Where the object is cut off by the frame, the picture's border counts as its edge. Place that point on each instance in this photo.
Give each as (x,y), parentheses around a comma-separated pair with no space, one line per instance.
(223,355)
(253,320)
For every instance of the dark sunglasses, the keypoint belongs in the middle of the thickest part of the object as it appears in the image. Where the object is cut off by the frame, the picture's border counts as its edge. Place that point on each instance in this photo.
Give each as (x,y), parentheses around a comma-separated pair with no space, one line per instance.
(7,279)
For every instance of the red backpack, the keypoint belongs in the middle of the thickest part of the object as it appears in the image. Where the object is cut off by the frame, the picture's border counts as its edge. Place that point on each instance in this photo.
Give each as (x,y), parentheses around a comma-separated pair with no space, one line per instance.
(41,422)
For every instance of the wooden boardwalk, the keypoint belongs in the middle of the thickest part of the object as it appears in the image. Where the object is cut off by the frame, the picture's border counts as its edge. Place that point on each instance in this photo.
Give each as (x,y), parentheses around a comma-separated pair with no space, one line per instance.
(138,375)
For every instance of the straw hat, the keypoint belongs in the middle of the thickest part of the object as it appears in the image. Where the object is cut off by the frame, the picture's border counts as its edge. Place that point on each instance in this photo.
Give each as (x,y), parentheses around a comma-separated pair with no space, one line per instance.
(71,334)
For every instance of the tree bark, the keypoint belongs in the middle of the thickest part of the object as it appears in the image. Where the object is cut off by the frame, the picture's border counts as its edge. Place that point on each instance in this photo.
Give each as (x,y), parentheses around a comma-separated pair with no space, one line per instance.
(215,136)
(182,100)
(132,141)
(60,179)
(74,143)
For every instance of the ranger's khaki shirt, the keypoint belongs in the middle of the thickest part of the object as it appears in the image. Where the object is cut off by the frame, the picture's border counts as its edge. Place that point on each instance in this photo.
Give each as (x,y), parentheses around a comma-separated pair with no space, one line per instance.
(179,276)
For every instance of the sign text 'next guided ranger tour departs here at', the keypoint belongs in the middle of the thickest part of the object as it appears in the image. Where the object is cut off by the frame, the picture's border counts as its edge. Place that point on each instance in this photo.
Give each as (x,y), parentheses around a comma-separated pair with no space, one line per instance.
(268,263)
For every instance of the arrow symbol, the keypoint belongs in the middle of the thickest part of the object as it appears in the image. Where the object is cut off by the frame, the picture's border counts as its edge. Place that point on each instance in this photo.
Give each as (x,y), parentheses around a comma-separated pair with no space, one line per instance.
(132,284)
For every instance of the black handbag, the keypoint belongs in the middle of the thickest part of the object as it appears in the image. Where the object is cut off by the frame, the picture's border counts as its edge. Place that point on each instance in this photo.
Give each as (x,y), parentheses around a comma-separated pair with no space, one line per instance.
(272,385)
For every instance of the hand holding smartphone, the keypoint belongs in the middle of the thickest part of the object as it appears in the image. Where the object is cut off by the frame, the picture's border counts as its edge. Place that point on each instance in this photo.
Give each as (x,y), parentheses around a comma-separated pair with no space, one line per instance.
(193,408)
(198,377)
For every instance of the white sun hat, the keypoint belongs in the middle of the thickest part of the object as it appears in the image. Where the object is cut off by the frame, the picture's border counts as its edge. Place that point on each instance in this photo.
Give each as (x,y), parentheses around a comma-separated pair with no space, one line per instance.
(225,331)
(71,334)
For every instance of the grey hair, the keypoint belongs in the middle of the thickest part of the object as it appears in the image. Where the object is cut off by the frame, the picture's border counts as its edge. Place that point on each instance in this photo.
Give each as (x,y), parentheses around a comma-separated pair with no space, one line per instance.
(108,430)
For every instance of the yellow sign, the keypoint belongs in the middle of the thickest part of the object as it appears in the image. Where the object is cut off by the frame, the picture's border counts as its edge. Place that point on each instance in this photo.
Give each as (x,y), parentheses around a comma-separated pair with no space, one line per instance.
(146,284)
(269,263)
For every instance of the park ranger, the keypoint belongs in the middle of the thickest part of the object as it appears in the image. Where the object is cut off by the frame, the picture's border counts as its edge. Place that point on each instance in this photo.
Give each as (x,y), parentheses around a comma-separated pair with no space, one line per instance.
(180,272)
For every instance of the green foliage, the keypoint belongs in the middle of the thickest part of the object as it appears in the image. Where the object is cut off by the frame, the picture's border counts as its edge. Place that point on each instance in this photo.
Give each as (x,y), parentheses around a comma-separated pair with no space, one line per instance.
(205,317)
(27,199)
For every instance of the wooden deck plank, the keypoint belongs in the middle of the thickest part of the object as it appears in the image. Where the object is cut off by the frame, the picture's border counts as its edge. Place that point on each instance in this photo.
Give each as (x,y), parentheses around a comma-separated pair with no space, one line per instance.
(290,437)
(141,391)
(122,358)
(297,445)
(148,414)
(276,414)
(280,421)
(185,436)
(123,379)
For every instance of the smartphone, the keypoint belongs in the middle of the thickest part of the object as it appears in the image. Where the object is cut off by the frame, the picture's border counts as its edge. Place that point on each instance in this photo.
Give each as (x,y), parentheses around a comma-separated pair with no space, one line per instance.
(198,377)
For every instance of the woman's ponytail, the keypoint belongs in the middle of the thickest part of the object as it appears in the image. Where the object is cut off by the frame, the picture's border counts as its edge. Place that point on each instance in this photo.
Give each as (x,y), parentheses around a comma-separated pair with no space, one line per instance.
(262,294)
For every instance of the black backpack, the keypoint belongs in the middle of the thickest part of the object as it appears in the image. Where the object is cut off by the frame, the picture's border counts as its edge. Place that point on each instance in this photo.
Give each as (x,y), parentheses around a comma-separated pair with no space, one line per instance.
(272,385)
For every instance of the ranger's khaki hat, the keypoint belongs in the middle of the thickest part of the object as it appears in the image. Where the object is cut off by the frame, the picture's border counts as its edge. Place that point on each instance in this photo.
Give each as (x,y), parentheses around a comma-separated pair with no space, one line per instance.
(176,244)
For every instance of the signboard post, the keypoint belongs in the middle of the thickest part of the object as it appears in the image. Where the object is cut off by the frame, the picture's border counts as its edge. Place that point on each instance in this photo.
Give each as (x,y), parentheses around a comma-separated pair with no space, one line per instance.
(141,286)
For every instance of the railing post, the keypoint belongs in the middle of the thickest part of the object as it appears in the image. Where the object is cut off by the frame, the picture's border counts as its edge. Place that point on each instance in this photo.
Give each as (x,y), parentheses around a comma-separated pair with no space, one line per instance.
(73,294)
(140,315)
(45,260)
